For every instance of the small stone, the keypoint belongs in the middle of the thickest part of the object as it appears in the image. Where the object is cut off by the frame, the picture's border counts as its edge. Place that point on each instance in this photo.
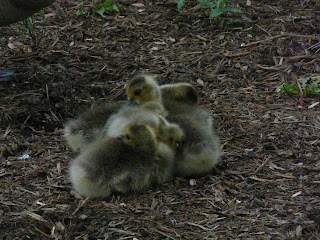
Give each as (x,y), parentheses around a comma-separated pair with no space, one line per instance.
(192,182)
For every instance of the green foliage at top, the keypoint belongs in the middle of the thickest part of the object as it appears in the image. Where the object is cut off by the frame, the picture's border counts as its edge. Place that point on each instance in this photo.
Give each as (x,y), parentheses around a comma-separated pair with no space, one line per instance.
(309,88)
(99,8)
(216,8)
(29,27)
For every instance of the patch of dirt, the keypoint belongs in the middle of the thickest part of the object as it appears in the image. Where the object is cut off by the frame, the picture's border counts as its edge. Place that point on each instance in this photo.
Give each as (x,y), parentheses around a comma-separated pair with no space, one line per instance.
(267,185)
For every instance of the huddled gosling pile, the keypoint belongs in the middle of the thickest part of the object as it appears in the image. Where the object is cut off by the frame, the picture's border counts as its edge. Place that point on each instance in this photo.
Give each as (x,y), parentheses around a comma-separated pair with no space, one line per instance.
(161,132)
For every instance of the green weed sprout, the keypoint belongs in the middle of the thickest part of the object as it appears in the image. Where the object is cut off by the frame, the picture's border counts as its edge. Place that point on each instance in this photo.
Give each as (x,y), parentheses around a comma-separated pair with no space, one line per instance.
(99,8)
(309,88)
(216,8)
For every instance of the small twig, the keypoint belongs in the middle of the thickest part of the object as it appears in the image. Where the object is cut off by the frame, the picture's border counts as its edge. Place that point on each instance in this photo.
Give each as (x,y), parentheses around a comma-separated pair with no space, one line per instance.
(47,91)
(302,36)
(294,77)
(266,68)
(265,161)
(164,234)
(42,233)
(264,40)
(264,30)
(296,58)
(314,46)
(313,169)
(218,67)
(82,203)
(311,62)
(199,226)
(44,21)
(7,131)
(230,55)
(123,231)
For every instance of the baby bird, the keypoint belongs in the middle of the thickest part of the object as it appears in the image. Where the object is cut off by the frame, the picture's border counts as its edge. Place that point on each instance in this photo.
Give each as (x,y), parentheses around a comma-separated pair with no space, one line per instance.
(200,149)
(143,88)
(180,92)
(171,134)
(91,124)
(124,164)
(87,126)
(132,114)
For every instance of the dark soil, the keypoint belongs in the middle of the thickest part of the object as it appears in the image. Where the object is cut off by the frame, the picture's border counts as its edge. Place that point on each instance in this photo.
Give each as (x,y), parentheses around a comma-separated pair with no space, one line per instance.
(267,185)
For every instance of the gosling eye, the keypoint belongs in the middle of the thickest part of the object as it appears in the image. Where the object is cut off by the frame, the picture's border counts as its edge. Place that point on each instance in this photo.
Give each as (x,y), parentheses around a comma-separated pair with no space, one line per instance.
(127,136)
(120,137)
(137,92)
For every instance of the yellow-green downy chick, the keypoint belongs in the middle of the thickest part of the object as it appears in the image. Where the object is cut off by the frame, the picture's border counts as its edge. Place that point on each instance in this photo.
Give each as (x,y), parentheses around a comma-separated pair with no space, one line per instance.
(170,137)
(87,126)
(171,134)
(143,88)
(119,165)
(130,114)
(151,114)
(200,150)
(181,92)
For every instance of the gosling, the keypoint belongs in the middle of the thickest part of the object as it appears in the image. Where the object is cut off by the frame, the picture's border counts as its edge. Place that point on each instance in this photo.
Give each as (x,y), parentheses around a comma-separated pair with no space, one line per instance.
(144,88)
(200,149)
(180,92)
(128,163)
(87,126)
(145,113)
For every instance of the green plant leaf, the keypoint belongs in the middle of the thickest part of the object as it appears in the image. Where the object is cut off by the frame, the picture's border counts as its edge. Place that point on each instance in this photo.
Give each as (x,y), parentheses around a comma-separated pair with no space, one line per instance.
(107,4)
(234,21)
(290,88)
(316,90)
(221,3)
(303,83)
(315,83)
(101,11)
(216,12)
(80,13)
(102,8)
(207,4)
(203,3)
(212,5)
(180,4)
(115,8)
(230,9)
(309,92)
(315,87)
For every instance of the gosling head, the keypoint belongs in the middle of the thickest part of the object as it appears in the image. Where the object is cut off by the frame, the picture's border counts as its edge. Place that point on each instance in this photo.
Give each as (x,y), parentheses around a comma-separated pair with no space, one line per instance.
(182,92)
(143,88)
(172,135)
(138,134)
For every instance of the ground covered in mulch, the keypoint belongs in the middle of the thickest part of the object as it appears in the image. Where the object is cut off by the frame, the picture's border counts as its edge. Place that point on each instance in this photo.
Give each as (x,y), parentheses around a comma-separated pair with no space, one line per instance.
(267,185)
